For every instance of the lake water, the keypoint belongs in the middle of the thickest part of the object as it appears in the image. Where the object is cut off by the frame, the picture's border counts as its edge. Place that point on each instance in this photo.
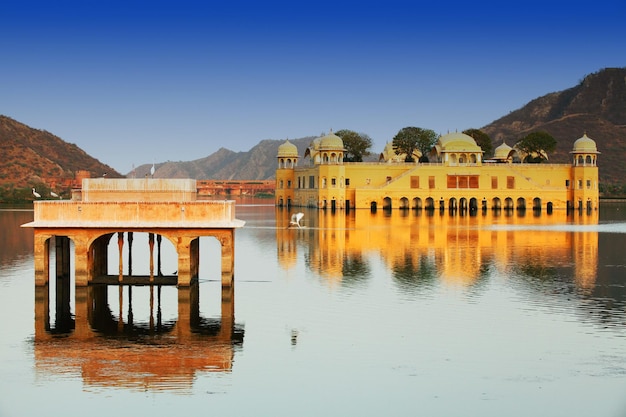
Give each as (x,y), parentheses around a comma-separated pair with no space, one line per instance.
(359,314)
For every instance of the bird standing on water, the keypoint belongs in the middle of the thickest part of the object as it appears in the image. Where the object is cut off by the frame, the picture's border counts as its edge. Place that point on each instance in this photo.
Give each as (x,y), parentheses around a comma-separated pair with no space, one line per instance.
(295,219)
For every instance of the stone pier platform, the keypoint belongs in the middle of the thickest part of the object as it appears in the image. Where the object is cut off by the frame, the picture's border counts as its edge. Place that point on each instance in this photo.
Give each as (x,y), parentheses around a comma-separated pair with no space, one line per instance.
(106,209)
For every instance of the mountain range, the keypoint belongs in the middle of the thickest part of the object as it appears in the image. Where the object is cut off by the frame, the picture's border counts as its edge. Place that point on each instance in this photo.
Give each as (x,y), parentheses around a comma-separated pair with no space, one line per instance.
(596,106)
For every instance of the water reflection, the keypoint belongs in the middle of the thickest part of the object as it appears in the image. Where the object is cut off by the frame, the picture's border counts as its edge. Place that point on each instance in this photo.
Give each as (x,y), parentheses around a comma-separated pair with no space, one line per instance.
(108,346)
(425,249)
(14,244)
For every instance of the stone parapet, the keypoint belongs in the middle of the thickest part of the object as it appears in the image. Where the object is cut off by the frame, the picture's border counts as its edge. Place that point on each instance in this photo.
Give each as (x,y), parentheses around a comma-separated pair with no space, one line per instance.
(138,189)
(133,214)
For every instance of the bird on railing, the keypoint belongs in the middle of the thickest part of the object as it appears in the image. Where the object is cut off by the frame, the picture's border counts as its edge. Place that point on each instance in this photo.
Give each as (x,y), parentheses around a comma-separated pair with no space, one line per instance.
(36,194)
(295,219)
(53,194)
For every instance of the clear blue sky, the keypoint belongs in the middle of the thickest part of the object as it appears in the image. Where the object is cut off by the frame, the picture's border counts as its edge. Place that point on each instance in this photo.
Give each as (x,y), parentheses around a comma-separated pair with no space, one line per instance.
(132,82)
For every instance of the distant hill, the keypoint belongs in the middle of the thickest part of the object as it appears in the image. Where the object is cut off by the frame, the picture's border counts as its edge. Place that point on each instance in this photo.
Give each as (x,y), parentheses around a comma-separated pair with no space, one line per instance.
(597,106)
(259,163)
(30,157)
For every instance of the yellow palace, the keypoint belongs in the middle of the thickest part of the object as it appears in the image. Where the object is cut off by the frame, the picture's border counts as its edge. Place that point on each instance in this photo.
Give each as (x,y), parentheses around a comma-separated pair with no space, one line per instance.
(459,178)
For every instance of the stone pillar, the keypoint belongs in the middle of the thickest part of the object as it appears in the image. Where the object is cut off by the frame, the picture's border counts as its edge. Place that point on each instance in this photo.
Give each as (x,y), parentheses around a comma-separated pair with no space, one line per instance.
(159,239)
(151,245)
(185,271)
(227,240)
(84,261)
(62,248)
(42,258)
(120,245)
(130,254)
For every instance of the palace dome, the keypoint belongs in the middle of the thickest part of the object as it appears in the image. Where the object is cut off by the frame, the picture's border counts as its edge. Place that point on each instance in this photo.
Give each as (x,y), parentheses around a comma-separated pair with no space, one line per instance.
(457,141)
(502,151)
(331,141)
(585,145)
(287,150)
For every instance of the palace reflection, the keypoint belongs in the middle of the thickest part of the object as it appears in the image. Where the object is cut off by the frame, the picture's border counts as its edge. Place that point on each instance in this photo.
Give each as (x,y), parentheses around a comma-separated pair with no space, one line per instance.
(454,248)
(113,348)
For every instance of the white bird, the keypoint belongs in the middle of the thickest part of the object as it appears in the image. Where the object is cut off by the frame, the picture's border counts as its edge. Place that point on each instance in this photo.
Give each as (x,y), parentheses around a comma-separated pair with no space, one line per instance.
(53,194)
(295,219)
(36,194)
(152,170)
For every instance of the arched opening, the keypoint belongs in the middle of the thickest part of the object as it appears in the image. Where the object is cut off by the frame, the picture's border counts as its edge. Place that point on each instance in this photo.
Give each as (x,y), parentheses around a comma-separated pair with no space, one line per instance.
(141,254)
(463,203)
(537,203)
(387,203)
(452,204)
(473,204)
(417,203)
(61,284)
(373,207)
(521,204)
(430,203)
(404,203)
(549,207)
(508,203)
(496,204)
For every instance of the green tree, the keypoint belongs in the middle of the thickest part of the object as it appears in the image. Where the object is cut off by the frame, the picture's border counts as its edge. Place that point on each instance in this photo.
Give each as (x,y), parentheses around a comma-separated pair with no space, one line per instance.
(357,145)
(408,139)
(482,139)
(535,145)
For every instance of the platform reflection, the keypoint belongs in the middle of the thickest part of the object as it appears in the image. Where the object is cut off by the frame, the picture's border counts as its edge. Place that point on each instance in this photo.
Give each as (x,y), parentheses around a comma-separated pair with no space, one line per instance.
(110,347)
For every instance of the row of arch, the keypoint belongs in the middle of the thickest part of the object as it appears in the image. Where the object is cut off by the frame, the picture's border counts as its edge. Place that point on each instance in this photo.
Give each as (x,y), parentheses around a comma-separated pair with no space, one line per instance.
(464,204)
(111,254)
(287,163)
(474,204)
